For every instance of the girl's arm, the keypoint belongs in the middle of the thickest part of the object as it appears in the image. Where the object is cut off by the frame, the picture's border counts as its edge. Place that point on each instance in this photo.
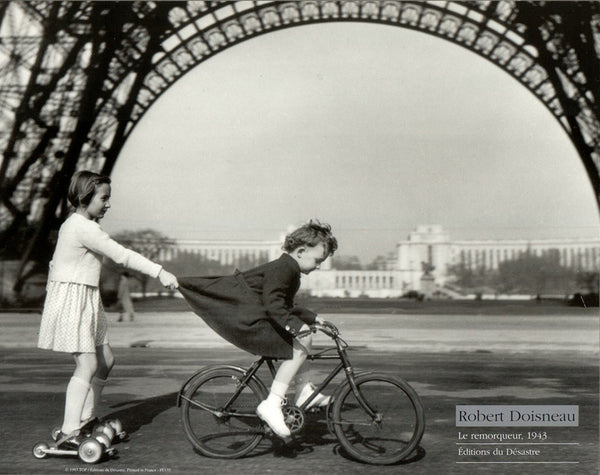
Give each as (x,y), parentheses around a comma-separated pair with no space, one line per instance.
(98,241)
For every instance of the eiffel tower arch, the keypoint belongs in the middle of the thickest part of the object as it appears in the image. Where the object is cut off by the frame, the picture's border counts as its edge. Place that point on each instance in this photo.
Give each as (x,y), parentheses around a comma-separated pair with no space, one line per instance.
(76,77)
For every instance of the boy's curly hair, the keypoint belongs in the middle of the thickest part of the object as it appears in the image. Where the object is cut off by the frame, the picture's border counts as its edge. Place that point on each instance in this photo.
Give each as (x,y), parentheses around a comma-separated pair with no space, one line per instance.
(311,234)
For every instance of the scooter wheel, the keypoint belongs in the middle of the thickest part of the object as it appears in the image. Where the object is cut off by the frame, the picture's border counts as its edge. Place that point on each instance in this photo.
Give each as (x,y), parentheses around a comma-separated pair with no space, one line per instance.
(118,428)
(107,429)
(55,433)
(90,450)
(40,450)
(103,439)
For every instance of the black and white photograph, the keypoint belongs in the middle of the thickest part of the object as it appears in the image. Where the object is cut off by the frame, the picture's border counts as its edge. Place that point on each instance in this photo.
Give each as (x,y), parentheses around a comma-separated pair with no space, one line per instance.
(342,237)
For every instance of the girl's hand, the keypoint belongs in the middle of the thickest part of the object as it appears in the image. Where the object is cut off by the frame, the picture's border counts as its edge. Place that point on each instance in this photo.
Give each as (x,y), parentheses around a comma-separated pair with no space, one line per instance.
(168,280)
(319,320)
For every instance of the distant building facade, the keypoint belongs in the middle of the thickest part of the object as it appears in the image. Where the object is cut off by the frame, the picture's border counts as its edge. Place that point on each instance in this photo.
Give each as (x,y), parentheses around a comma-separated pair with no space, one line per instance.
(419,262)
(432,245)
(229,252)
(225,252)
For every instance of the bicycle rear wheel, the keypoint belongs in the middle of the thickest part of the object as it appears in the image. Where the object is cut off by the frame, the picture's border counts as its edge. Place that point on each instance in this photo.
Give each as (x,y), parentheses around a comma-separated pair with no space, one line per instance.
(215,424)
(395,430)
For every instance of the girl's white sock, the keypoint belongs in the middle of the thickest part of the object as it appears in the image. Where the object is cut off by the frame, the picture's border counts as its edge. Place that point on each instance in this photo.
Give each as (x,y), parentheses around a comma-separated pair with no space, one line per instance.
(92,400)
(77,391)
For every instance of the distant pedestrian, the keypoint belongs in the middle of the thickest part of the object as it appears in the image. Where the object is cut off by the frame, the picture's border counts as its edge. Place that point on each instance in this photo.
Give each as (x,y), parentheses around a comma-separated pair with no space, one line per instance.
(73,320)
(255,311)
(124,296)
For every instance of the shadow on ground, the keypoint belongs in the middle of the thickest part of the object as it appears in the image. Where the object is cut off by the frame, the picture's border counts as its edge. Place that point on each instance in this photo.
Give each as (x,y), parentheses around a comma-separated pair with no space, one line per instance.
(141,412)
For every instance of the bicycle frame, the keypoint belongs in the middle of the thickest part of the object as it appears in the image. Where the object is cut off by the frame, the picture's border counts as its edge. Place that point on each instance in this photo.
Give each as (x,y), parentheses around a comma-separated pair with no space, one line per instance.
(250,373)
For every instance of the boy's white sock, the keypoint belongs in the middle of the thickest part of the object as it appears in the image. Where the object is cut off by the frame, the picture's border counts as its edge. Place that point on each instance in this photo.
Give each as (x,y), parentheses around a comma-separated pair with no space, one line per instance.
(92,401)
(277,393)
(302,378)
(77,391)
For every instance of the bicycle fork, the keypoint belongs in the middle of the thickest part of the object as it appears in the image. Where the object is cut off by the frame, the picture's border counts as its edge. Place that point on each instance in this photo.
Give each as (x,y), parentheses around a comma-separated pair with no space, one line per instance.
(355,389)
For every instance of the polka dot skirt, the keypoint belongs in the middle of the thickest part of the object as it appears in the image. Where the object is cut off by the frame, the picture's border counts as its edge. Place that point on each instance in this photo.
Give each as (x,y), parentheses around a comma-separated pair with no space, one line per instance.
(73,320)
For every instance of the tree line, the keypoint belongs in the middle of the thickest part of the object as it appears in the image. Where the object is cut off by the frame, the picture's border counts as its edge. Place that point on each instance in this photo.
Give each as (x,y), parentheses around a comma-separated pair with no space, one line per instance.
(526,274)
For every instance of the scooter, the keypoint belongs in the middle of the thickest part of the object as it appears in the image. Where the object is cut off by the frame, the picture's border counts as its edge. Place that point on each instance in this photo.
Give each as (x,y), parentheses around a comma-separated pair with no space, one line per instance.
(96,441)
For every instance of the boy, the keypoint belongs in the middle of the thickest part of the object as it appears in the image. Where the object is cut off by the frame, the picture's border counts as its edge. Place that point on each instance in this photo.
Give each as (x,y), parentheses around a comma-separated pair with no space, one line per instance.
(255,311)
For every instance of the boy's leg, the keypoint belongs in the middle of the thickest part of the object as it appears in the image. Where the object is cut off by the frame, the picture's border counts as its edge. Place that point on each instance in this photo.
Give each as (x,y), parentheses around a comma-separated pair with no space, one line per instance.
(303,376)
(289,368)
(304,388)
(106,361)
(270,409)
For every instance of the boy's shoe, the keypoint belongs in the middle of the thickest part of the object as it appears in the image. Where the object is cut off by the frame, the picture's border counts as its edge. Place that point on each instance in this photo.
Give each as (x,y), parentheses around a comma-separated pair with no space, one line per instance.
(271,414)
(320,400)
(69,441)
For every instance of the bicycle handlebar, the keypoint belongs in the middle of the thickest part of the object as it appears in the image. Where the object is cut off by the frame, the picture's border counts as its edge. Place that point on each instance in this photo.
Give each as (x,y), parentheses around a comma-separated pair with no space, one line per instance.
(326,327)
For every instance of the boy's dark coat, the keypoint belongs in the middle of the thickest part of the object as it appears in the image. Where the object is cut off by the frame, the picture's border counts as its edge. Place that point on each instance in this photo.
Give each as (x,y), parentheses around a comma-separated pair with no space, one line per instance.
(254,309)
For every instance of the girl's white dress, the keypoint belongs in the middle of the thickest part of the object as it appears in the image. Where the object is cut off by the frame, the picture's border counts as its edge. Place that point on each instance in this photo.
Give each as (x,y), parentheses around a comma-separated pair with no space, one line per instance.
(73,319)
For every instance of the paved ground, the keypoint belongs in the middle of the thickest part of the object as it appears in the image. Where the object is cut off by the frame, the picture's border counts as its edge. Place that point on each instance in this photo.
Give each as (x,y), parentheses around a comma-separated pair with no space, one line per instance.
(449,360)
(576,330)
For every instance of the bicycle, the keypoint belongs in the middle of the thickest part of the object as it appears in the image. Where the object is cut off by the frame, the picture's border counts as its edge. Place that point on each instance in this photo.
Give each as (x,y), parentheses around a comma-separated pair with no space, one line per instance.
(377,418)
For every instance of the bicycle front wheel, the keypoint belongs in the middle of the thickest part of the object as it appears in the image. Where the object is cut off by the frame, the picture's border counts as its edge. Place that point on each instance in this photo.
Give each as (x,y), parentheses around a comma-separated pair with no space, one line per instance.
(219,416)
(392,430)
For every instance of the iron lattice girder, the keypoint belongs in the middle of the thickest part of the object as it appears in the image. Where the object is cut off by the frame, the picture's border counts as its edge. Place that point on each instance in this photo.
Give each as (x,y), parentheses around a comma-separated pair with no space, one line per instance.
(497,31)
(76,77)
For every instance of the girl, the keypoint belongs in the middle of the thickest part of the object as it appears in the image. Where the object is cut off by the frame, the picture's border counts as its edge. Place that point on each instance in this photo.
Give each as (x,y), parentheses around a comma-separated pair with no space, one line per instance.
(73,319)
(255,311)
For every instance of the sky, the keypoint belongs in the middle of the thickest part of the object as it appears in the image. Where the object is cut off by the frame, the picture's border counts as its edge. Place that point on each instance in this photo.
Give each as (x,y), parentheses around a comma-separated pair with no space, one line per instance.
(373,129)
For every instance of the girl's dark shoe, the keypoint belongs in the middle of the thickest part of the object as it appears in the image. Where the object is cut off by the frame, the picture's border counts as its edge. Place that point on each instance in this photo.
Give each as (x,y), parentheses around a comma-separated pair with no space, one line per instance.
(89,426)
(68,441)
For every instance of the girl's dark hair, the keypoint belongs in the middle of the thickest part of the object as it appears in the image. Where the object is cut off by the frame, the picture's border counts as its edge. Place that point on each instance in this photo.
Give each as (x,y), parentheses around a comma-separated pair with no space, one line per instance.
(311,234)
(83,186)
